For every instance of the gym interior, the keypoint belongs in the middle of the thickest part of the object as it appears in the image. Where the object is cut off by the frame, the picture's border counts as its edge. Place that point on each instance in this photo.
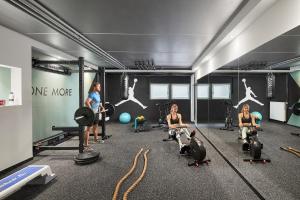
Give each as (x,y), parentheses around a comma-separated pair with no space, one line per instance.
(140,99)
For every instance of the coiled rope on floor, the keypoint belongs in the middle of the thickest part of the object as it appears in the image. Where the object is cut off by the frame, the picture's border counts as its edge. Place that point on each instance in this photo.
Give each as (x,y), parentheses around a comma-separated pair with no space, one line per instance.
(117,188)
(131,188)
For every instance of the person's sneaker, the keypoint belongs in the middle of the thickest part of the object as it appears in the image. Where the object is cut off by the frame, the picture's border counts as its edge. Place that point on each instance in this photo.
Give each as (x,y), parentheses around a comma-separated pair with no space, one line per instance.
(98,141)
(88,149)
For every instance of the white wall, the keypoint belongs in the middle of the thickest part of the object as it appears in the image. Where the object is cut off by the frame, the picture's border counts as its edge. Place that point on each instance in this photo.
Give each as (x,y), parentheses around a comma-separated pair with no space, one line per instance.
(16,121)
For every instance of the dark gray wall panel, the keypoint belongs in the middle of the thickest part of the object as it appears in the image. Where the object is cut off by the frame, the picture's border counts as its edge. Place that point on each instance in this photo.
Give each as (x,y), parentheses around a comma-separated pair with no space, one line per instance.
(214,110)
(142,93)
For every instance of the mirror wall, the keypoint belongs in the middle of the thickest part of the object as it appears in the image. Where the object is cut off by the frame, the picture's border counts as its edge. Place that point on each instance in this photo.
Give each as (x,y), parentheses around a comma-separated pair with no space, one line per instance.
(261,86)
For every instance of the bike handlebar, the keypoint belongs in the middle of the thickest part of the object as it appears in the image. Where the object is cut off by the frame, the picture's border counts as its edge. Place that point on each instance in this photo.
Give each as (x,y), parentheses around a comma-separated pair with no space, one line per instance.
(177,127)
(251,126)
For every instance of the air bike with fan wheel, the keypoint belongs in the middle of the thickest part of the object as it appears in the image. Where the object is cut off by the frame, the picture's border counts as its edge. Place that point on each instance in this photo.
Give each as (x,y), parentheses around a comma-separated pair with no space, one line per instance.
(163,111)
(195,148)
(228,117)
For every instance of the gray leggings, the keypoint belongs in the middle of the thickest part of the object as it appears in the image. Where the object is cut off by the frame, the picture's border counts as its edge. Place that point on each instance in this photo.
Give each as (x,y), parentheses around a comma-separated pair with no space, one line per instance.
(244,131)
(180,131)
(177,133)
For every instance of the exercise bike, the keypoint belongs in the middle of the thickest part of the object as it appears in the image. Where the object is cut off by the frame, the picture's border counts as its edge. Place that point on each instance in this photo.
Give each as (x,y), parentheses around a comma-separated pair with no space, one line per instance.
(228,117)
(252,145)
(163,110)
(195,149)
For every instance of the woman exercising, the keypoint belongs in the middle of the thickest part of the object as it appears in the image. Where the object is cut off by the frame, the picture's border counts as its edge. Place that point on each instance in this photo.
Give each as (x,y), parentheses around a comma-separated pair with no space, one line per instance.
(174,119)
(246,120)
(94,102)
(175,124)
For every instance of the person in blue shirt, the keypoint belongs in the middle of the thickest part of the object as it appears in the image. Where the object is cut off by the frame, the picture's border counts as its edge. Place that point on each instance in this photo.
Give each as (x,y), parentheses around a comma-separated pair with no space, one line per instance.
(94,102)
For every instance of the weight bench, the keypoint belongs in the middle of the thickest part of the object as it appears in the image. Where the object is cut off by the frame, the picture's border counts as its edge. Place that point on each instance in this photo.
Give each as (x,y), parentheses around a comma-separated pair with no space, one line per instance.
(32,174)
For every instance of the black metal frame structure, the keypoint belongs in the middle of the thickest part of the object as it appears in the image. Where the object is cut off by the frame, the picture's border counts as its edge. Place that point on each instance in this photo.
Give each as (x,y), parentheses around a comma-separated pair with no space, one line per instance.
(82,158)
(80,63)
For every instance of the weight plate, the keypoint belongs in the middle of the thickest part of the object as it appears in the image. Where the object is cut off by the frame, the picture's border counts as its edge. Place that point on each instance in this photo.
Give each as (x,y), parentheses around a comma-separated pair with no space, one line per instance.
(110,109)
(84,116)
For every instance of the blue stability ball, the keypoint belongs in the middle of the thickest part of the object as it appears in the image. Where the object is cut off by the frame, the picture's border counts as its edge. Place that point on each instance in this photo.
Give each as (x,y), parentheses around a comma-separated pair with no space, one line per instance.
(124,118)
(258,116)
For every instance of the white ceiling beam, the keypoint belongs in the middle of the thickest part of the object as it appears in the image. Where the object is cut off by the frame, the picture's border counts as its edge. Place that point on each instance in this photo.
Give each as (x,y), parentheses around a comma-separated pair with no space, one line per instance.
(230,29)
(252,71)
(278,17)
(149,71)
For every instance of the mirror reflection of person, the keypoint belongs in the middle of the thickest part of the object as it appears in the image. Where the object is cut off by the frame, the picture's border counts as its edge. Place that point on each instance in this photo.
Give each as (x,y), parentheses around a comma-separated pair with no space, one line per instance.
(174,120)
(246,121)
(249,94)
(131,96)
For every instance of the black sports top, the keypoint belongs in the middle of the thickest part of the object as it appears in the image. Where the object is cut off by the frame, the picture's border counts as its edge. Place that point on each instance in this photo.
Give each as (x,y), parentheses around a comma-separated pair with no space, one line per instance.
(174,121)
(246,120)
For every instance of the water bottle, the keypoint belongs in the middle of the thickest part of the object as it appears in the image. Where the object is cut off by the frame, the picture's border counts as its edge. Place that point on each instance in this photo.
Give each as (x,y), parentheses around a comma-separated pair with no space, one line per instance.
(11,98)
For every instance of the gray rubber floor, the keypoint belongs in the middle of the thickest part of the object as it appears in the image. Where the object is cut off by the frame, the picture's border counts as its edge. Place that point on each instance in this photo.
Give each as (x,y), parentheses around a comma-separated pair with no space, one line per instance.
(276,180)
(167,176)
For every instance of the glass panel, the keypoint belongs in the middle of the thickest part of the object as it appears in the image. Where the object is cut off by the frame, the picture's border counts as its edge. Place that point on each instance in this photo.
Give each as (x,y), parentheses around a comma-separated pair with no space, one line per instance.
(203,91)
(180,91)
(159,91)
(221,91)
(49,90)
(238,133)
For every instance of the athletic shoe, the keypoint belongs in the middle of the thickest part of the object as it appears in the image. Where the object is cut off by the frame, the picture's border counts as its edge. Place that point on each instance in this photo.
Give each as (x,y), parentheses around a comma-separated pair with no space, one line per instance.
(88,149)
(98,142)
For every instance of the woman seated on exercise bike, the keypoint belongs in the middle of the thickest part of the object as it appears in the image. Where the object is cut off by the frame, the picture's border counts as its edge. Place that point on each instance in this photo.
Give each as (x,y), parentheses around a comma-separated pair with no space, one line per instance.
(246,121)
(175,124)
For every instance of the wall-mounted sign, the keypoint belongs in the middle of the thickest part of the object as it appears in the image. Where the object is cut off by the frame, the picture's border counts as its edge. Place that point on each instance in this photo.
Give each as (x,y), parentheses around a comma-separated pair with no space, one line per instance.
(45,91)
(248,96)
(131,96)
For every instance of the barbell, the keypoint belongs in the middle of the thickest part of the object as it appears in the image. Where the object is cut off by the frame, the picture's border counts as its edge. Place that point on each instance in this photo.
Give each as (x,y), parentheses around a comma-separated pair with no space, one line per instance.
(85,116)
